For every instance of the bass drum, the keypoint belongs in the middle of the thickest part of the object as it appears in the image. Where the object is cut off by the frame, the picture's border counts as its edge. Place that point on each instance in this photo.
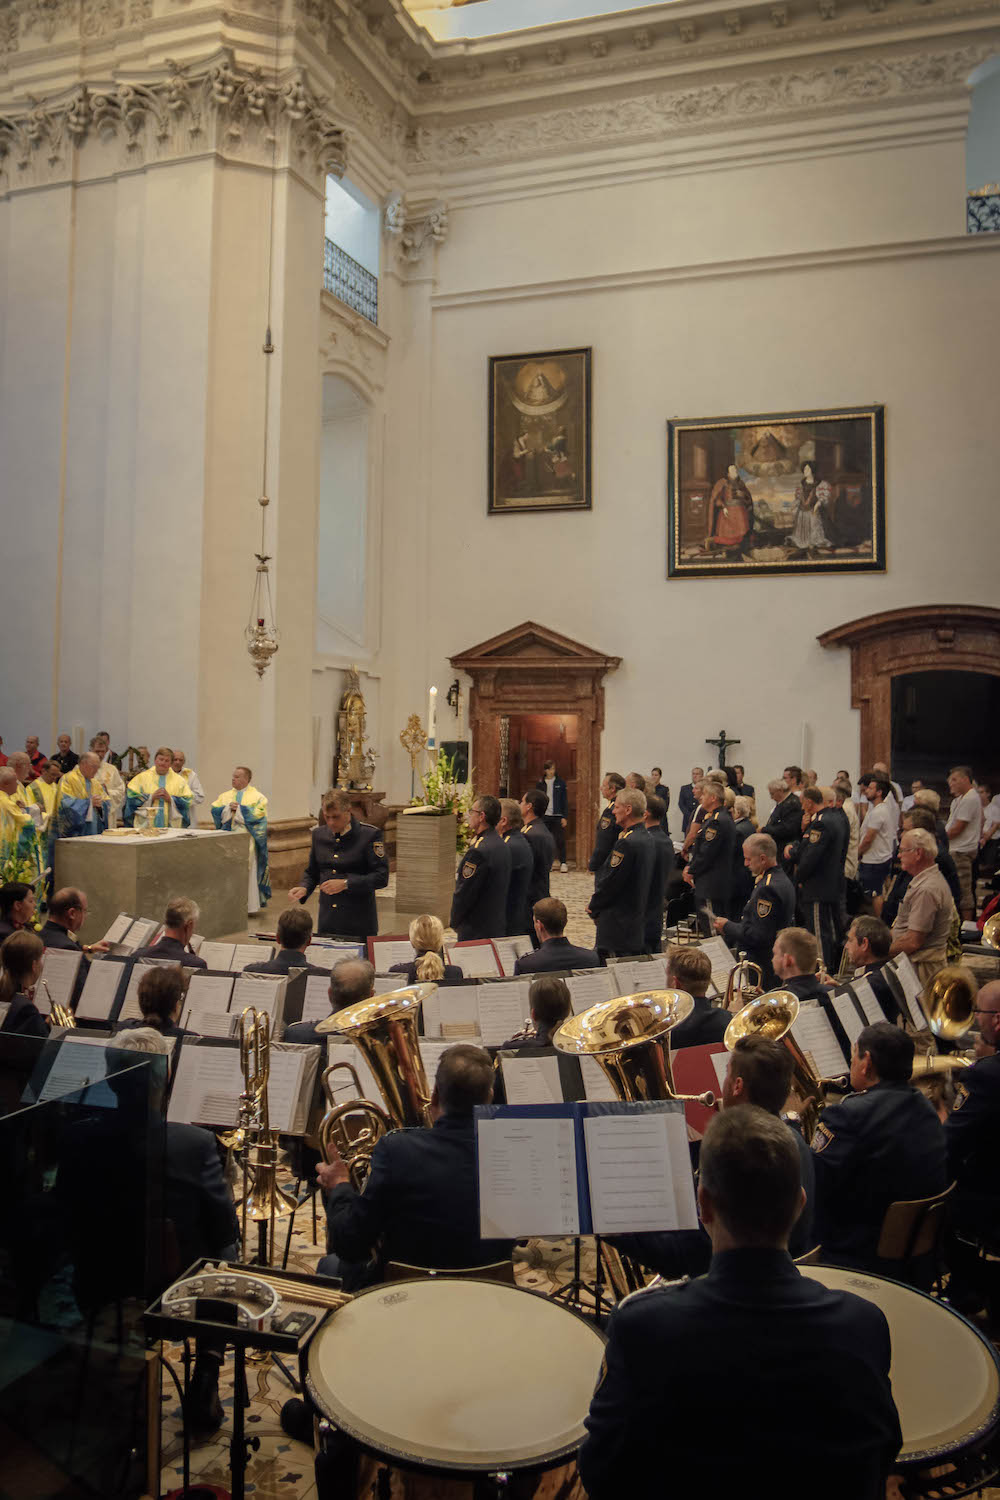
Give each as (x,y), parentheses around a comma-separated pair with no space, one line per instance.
(447,1382)
(945,1380)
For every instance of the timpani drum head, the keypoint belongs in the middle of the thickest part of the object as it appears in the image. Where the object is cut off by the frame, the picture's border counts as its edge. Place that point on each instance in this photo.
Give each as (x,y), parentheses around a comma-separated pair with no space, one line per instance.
(457,1374)
(945,1375)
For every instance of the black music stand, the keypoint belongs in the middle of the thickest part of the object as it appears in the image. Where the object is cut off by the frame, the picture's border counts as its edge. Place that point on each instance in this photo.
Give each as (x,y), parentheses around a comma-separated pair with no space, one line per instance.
(571,1293)
(162,1324)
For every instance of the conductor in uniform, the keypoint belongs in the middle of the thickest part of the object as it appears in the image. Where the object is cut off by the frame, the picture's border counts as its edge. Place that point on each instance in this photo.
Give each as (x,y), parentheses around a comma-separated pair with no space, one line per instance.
(618,904)
(479,905)
(666,1346)
(771,907)
(710,868)
(347,861)
(607,829)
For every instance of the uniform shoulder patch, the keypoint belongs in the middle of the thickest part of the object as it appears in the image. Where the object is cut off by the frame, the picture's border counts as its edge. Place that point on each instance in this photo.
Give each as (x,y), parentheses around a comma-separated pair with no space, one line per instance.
(764,906)
(616,859)
(607,821)
(814,835)
(379,848)
(710,833)
(469,869)
(822,1138)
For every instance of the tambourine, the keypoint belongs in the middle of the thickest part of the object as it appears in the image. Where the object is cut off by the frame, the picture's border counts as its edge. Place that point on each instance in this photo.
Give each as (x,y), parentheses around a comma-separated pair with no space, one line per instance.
(256,1301)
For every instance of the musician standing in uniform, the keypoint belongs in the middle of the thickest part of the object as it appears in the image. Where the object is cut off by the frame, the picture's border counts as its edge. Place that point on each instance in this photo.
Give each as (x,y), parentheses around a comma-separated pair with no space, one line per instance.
(656,813)
(785,823)
(710,868)
(479,905)
(607,828)
(347,861)
(618,904)
(540,842)
(651,1416)
(818,857)
(770,909)
(521,868)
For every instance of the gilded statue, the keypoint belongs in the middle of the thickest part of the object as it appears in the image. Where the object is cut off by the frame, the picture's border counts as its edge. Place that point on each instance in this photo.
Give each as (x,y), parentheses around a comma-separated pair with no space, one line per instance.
(355,762)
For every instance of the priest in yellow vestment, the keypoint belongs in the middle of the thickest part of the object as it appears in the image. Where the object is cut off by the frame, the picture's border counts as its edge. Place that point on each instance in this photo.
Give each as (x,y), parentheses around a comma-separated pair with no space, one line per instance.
(158,797)
(243,806)
(20,849)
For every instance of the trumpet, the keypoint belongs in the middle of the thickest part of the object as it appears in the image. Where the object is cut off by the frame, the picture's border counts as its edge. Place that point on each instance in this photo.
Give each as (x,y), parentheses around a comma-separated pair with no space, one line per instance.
(263,1199)
(740,986)
(626,1036)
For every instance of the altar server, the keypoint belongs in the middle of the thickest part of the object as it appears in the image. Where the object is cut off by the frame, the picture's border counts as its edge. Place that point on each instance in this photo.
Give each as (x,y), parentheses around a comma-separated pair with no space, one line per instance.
(243,806)
(158,797)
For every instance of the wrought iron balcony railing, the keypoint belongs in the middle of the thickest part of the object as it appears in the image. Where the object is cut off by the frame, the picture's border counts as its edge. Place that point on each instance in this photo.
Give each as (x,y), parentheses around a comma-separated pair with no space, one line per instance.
(350,282)
(982,211)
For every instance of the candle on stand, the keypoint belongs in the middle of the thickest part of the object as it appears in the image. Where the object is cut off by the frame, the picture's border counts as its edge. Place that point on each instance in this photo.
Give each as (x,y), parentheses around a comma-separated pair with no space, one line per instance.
(431,717)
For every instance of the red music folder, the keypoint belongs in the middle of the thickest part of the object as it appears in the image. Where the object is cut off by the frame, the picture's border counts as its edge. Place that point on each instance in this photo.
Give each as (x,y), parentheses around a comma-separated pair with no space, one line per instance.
(695,1069)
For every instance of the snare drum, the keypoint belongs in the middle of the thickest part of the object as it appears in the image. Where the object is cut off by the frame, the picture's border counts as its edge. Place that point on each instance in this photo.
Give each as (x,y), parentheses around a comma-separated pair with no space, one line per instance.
(457,1377)
(945,1381)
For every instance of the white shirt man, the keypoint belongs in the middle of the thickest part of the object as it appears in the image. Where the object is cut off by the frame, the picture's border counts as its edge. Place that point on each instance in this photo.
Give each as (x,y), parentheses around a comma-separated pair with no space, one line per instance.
(991,821)
(965,824)
(877,838)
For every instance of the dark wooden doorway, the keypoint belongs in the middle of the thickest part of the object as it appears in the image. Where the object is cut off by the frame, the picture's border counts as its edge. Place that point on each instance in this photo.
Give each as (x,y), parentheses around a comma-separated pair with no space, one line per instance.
(534,739)
(944,719)
(532,671)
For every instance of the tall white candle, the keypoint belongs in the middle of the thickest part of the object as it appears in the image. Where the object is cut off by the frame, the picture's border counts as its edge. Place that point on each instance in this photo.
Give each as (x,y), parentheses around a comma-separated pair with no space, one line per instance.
(431,718)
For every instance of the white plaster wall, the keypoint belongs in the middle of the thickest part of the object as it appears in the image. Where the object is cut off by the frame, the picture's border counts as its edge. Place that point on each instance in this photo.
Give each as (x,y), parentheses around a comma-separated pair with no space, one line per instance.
(341,555)
(913,332)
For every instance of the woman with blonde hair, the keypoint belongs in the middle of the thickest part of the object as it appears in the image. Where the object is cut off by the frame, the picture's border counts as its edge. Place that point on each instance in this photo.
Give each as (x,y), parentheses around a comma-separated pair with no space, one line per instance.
(21,955)
(427,938)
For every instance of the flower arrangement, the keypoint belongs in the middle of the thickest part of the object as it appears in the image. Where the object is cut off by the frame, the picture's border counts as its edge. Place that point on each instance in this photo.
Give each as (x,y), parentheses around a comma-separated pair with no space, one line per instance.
(445,794)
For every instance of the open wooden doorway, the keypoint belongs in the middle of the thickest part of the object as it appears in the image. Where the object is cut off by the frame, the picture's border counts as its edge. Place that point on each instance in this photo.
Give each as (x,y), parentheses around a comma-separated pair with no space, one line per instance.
(535,739)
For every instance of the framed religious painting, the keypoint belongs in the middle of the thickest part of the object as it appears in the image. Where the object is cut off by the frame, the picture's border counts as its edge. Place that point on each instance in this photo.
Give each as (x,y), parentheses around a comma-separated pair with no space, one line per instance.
(796,492)
(539,431)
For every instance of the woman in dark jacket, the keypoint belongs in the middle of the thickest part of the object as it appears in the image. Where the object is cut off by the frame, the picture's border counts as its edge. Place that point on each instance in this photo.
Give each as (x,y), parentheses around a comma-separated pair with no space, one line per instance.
(427,938)
(22,955)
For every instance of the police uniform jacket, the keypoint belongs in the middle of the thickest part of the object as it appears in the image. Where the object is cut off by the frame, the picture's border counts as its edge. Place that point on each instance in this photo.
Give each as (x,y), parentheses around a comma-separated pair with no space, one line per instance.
(819,859)
(172,950)
(479,905)
(622,890)
(770,908)
(687,802)
(874,1149)
(662,865)
(711,862)
(283,962)
(663,792)
(543,852)
(604,838)
(785,823)
(421,1198)
(807,1343)
(358,856)
(972,1136)
(556,955)
(522,865)
(706,1023)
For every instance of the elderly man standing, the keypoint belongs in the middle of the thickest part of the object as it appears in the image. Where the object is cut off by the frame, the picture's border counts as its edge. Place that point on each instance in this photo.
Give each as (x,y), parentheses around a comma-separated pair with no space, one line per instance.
(190,775)
(109,776)
(770,909)
(710,869)
(243,806)
(81,803)
(65,756)
(965,824)
(158,797)
(20,852)
(927,911)
(621,894)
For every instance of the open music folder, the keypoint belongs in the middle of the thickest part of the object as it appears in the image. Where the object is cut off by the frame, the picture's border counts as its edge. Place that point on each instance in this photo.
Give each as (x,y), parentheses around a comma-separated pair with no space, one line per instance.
(586,1168)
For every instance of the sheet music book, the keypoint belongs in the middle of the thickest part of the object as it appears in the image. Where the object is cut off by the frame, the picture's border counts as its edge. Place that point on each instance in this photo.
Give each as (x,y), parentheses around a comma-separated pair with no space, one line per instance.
(210,989)
(218,955)
(386,951)
(583,1168)
(131,1009)
(141,933)
(848,1014)
(386,983)
(815,1035)
(476,958)
(430,1012)
(206,1018)
(458,1012)
(596,1083)
(343,1086)
(316,1005)
(319,957)
(531,1080)
(912,990)
(251,953)
(509,950)
(80,1062)
(589,987)
(101,989)
(431,1053)
(60,967)
(635,976)
(195,941)
(209,1081)
(502,1011)
(868,1000)
(302,1064)
(263,991)
(118,929)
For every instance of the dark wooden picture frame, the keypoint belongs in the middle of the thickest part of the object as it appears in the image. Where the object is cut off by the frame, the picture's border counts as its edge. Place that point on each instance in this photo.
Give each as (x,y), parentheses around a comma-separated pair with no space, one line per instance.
(795,492)
(539,432)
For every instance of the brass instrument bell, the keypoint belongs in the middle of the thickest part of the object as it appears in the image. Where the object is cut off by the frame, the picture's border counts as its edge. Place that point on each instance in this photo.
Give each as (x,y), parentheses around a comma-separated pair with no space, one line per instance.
(354,1147)
(950,1001)
(384,1029)
(991,931)
(772,1016)
(626,1037)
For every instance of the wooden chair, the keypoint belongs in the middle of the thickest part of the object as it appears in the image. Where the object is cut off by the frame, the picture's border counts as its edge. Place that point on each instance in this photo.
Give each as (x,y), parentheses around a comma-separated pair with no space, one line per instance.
(498,1270)
(911,1233)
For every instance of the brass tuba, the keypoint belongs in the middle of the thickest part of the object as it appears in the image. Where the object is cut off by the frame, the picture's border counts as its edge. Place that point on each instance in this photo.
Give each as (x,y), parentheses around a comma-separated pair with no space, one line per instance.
(626,1037)
(950,1001)
(772,1016)
(384,1029)
(745,983)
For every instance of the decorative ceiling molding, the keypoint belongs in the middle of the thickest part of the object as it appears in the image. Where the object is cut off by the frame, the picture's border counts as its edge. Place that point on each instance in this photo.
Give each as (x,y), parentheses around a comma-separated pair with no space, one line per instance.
(214,105)
(414,230)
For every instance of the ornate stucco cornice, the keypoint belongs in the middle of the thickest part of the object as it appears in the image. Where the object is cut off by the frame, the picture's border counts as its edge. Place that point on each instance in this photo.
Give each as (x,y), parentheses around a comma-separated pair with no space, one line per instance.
(173,112)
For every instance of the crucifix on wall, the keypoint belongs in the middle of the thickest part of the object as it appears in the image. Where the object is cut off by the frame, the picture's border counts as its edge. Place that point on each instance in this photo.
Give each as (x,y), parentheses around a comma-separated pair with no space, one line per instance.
(722,744)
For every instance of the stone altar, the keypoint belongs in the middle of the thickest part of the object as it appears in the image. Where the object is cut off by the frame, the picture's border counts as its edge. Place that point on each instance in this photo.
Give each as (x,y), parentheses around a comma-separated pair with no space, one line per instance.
(139,874)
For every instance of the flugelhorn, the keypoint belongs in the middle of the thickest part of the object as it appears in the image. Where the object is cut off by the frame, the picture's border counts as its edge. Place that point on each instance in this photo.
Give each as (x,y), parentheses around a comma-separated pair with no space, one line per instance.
(626,1037)
(772,1016)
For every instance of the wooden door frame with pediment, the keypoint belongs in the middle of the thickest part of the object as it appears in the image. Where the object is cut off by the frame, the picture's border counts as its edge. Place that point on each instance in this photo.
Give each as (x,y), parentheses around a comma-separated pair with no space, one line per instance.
(923,638)
(532,669)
